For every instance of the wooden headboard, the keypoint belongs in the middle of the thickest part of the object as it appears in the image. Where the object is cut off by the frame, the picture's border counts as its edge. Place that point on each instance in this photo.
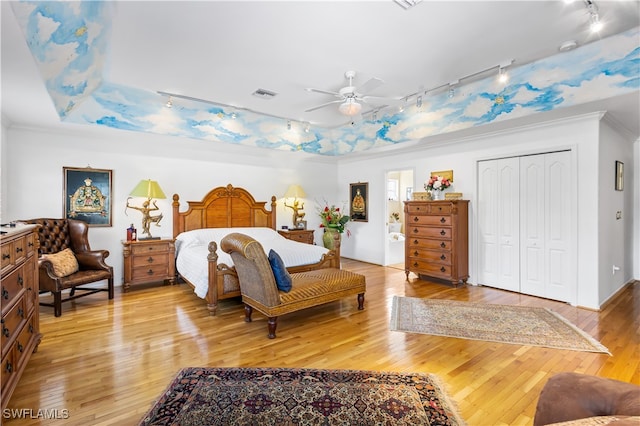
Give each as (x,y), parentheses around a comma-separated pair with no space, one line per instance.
(223,207)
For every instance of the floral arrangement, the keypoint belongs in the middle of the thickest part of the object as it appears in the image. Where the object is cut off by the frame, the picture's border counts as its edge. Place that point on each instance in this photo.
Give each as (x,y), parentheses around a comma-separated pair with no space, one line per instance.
(395,216)
(332,217)
(437,183)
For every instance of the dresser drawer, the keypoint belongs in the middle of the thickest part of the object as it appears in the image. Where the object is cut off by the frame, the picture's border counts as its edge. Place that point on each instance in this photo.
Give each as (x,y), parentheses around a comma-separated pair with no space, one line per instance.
(8,257)
(140,249)
(429,208)
(12,285)
(428,243)
(429,232)
(439,257)
(12,322)
(421,266)
(25,340)
(432,220)
(8,368)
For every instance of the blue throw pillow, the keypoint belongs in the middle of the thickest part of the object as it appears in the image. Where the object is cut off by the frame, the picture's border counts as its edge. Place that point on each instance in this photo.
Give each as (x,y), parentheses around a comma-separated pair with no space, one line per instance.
(283,279)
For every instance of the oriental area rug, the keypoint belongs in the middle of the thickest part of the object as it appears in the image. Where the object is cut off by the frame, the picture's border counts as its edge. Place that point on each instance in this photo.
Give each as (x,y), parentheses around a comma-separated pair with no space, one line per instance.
(283,396)
(522,325)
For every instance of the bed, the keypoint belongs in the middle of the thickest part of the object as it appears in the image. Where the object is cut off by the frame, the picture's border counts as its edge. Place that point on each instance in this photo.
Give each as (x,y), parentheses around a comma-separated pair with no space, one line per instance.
(225,209)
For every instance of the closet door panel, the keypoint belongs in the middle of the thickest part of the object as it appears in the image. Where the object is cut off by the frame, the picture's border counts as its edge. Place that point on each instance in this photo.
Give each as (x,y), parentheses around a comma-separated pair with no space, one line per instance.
(508,202)
(560,282)
(487,223)
(532,230)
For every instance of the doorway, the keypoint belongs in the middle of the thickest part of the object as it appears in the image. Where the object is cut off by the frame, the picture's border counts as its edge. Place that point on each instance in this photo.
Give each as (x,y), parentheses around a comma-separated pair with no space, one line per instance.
(399,187)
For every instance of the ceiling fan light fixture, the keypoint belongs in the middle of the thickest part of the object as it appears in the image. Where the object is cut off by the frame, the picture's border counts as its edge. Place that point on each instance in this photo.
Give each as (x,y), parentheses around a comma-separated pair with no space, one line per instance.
(350,107)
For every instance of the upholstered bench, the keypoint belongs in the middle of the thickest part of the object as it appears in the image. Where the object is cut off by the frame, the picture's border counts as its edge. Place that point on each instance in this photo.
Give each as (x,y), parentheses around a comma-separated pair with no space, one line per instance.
(261,292)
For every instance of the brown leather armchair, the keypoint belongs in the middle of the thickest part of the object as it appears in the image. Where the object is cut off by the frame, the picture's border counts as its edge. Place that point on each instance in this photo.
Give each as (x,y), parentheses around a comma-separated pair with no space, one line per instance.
(56,235)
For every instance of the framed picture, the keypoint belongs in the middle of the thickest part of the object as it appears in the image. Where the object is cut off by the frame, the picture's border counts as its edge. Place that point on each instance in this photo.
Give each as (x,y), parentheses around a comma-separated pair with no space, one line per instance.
(87,195)
(359,202)
(445,174)
(619,175)
(302,224)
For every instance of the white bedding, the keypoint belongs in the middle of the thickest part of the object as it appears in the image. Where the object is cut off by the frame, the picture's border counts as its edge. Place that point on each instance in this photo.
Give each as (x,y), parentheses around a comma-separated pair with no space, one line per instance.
(192,250)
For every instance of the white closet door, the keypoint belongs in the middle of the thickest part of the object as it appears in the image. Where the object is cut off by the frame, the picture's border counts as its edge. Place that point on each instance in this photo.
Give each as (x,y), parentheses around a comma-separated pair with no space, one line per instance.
(546,260)
(498,224)
(508,224)
(532,202)
(488,222)
(561,279)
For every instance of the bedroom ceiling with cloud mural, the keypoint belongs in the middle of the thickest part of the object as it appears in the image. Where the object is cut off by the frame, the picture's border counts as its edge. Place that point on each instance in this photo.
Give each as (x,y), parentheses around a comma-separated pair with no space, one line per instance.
(115,64)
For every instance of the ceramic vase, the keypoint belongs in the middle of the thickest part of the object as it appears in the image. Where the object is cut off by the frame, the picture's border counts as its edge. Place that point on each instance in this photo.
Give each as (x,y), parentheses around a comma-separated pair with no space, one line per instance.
(330,238)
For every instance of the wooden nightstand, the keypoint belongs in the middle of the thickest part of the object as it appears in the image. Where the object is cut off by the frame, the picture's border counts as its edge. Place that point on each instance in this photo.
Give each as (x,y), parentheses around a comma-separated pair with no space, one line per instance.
(148,261)
(300,235)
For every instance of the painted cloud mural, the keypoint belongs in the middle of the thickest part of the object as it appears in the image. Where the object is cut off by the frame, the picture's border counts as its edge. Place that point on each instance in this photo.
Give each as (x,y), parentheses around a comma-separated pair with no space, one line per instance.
(69,41)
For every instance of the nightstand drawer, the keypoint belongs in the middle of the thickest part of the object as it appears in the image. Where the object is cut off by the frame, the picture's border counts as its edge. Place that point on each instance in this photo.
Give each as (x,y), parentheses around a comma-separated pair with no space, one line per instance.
(149,273)
(146,248)
(147,259)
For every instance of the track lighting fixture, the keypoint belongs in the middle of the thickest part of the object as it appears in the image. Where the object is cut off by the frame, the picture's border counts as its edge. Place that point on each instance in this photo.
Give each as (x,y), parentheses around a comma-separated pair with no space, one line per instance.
(502,75)
(169,103)
(594,17)
(419,102)
(307,128)
(288,124)
(452,92)
(234,115)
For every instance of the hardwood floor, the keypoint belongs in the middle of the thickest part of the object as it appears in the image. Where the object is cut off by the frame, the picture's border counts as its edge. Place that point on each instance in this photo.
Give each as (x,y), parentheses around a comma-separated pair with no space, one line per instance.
(105,362)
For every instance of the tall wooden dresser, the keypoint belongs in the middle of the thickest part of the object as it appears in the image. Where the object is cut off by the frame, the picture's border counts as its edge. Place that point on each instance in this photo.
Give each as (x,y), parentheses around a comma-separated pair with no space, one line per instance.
(20,304)
(437,239)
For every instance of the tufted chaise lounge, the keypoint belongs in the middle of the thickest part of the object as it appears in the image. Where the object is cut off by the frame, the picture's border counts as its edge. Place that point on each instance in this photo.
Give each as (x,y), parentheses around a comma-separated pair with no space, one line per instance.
(56,235)
(259,290)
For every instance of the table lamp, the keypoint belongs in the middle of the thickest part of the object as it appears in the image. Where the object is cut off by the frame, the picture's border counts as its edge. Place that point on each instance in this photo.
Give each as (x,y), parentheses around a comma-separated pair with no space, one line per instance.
(295,192)
(148,189)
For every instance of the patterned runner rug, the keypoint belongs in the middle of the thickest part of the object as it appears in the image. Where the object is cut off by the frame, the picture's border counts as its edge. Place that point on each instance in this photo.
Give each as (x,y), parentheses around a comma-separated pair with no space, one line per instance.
(281,396)
(521,325)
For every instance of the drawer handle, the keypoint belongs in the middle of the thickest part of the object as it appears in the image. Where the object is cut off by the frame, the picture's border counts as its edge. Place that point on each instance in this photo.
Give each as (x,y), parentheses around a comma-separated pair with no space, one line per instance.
(20,347)
(415,241)
(443,232)
(5,293)
(416,219)
(6,256)
(415,253)
(150,248)
(440,208)
(21,312)
(150,272)
(442,244)
(443,220)
(8,367)
(443,257)
(18,249)
(30,244)
(415,230)
(150,259)
(5,331)
(20,280)
(31,328)
(442,269)
(415,264)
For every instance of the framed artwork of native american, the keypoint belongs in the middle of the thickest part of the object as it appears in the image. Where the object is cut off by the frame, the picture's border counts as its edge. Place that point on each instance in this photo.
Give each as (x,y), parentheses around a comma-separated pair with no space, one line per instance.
(359,201)
(87,195)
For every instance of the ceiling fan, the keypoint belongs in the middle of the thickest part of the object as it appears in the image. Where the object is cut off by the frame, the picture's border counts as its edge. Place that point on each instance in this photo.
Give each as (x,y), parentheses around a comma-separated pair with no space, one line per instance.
(350,97)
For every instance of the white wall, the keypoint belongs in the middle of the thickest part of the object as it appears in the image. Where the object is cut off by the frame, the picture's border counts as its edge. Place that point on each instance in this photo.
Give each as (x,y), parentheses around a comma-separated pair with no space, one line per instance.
(580,134)
(615,235)
(191,168)
(32,186)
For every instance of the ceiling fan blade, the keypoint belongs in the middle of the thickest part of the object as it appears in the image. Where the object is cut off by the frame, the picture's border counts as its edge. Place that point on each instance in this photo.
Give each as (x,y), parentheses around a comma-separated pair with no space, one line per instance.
(322,106)
(382,99)
(371,84)
(325,92)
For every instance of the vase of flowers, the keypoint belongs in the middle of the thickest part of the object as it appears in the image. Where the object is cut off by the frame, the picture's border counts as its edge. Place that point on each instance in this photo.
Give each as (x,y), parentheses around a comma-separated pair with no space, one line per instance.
(333,221)
(435,185)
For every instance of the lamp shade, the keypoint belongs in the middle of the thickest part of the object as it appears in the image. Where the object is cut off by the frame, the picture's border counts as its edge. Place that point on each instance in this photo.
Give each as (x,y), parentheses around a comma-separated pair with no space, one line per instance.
(295,191)
(148,189)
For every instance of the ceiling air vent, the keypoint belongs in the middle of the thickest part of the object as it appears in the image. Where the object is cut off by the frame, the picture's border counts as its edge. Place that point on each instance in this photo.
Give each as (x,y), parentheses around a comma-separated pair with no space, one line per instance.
(264,94)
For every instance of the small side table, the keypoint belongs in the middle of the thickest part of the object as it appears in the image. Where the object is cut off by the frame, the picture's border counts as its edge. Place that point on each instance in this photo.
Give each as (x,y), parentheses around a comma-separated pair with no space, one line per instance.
(300,235)
(148,261)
